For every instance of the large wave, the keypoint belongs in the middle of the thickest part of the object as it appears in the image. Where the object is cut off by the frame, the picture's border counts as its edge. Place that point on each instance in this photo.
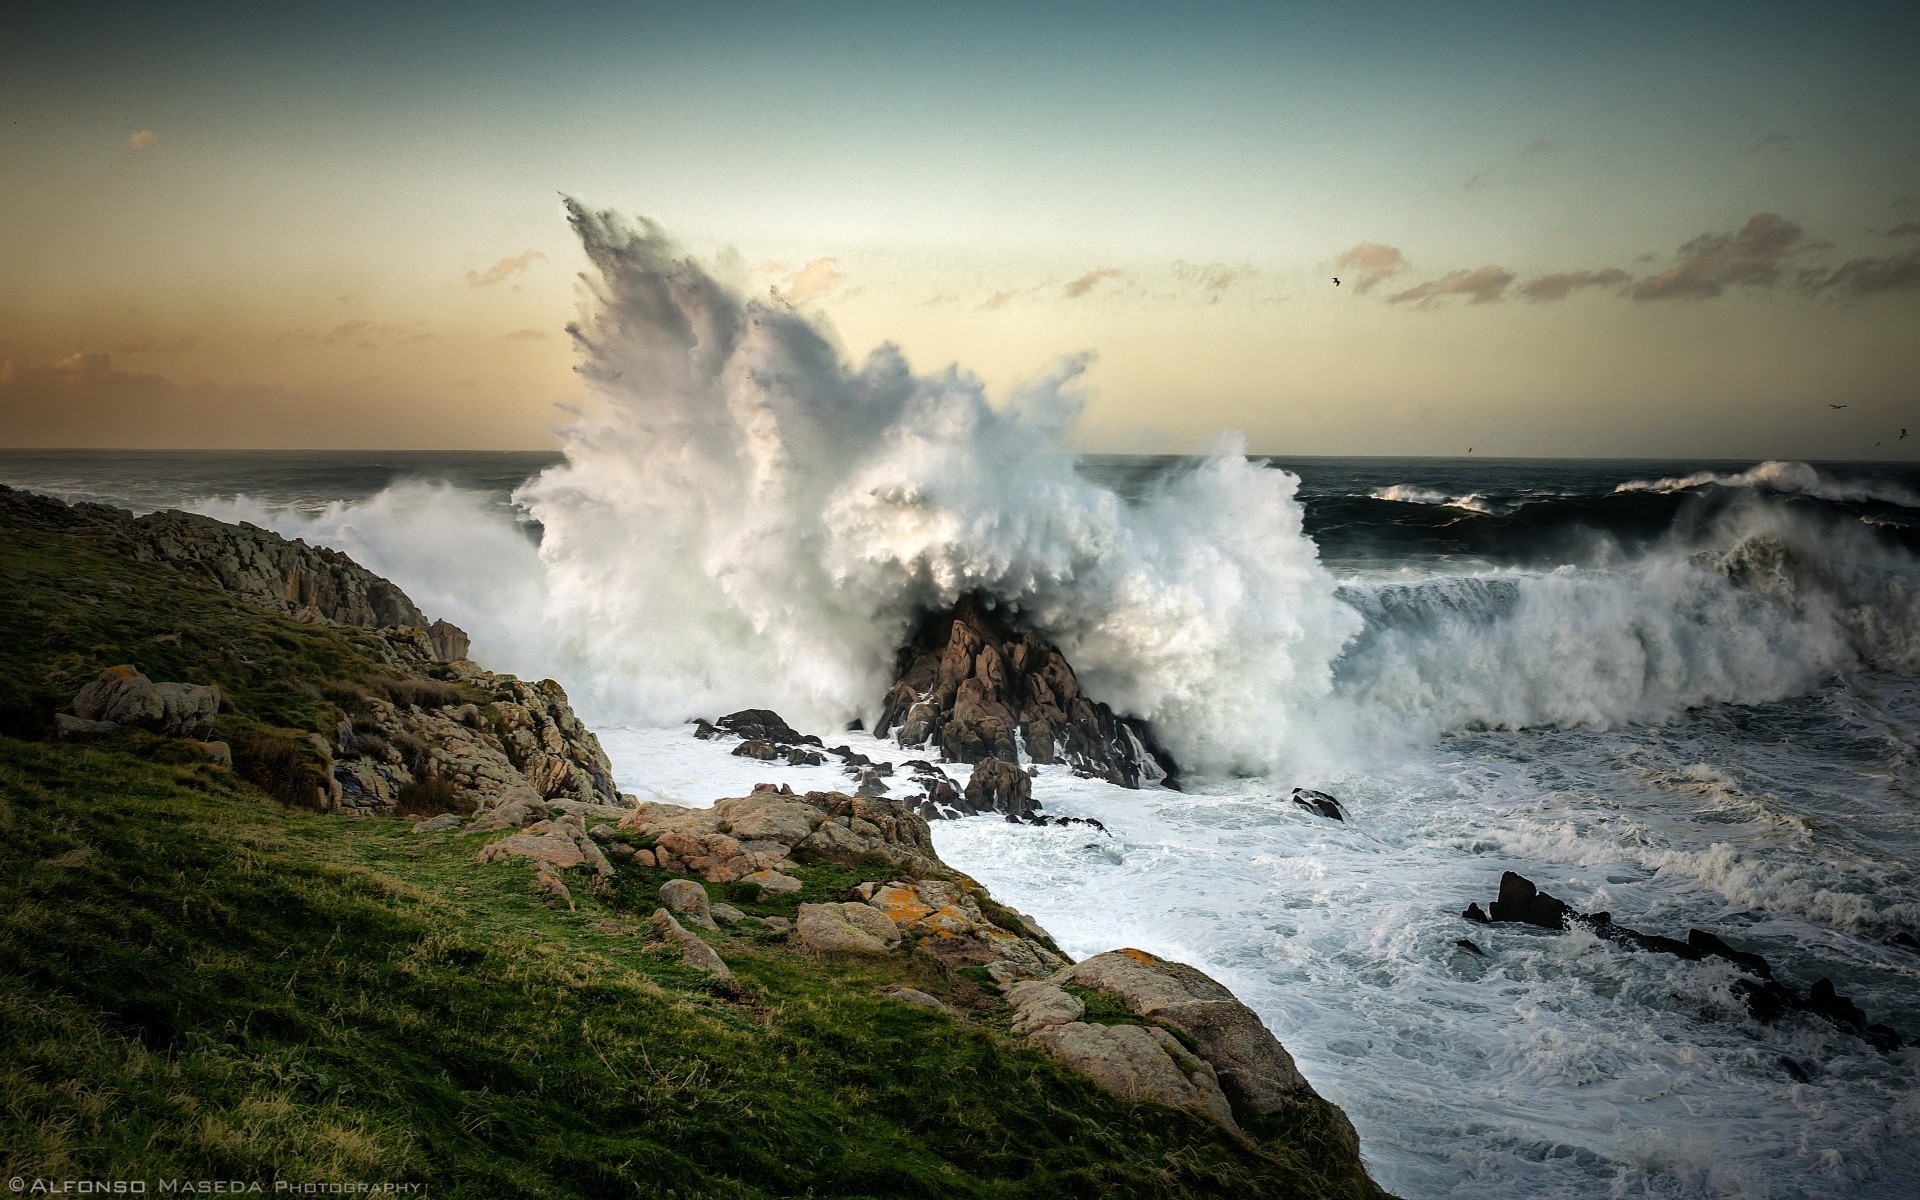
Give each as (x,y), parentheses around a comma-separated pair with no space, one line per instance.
(746,518)
(1779,476)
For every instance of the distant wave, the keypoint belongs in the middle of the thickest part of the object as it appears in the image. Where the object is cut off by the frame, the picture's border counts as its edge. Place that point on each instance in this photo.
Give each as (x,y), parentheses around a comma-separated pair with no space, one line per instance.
(1407,493)
(1791,477)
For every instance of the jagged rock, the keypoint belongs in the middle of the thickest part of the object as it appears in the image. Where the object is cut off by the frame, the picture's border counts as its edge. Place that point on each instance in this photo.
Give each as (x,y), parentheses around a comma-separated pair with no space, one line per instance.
(1138,1062)
(971,685)
(511,809)
(685,898)
(1254,1068)
(756,748)
(999,786)
(694,952)
(1519,900)
(1319,803)
(123,696)
(450,642)
(440,824)
(727,914)
(797,757)
(845,928)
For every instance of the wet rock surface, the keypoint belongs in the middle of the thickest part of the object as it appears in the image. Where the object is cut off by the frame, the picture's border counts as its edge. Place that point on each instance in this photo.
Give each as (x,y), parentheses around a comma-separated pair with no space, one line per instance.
(1766,998)
(973,687)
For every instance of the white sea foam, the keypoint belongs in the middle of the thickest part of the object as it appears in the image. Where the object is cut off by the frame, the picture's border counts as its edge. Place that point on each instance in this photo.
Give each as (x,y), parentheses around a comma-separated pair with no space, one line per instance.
(1407,493)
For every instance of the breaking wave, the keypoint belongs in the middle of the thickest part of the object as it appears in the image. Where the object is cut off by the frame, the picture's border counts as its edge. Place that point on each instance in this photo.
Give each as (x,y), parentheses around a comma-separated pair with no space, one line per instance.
(1794,478)
(745,518)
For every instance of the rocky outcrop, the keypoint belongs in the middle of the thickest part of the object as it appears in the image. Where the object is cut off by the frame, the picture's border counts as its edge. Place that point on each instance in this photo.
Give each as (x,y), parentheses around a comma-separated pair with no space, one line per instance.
(123,696)
(694,952)
(772,829)
(1766,998)
(974,687)
(1138,1062)
(999,786)
(308,583)
(1254,1069)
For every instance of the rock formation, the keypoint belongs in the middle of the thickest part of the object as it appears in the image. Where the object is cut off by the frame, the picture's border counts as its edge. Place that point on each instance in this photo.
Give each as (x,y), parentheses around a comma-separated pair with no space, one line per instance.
(974,687)
(1766,998)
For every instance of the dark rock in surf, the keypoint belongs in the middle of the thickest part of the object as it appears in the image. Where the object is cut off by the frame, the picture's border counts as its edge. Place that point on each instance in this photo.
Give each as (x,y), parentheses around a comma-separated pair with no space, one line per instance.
(1471,948)
(976,688)
(1801,1072)
(1319,803)
(1766,999)
(999,786)
(763,724)
(765,751)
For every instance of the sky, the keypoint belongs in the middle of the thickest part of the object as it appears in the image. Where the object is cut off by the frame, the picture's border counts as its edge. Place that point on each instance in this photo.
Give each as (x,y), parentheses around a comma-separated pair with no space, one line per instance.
(1563,230)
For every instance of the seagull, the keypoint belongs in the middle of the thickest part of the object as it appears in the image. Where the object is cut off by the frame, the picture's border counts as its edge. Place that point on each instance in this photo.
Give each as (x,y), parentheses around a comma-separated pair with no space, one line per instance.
(1836,406)
(1903,435)
(1336,281)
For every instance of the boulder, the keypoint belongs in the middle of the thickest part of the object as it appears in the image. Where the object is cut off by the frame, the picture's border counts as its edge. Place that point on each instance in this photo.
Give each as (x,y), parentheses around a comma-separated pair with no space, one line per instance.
(1038,1004)
(440,824)
(1318,803)
(1138,1062)
(845,928)
(548,881)
(999,786)
(68,726)
(687,899)
(975,687)
(124,696)
(511,809)
(772,883)
(763,724)
(919,999)
(727,914)
(1253,1067)
(756,748)
(554,849)
(693,952)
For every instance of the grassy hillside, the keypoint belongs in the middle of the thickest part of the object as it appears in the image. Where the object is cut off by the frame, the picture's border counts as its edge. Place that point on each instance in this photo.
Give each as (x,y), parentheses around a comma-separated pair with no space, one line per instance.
(198,981)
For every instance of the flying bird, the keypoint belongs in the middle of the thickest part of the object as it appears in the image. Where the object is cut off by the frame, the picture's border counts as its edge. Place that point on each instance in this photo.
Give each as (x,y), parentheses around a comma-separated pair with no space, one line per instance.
(1336,281)
(1902,437)
(1836,406)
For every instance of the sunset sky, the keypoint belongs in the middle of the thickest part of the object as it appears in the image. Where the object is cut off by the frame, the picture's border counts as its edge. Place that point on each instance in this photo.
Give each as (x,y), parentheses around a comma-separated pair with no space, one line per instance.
(1560,230)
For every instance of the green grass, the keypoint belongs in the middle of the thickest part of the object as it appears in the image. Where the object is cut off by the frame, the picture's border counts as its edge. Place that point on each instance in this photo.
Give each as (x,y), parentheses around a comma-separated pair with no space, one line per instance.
(199,981)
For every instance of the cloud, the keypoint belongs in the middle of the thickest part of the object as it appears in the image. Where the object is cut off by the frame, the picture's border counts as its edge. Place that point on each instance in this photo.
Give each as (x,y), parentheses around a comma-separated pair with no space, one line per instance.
(146,139)
(365,335)
(813,281)
(1484,285)
(1077,288)
(83,400)
(148,344)
(1905,229)
(1773,143)
(504,268)
(1369,264)
(1866,276)
(1213,279)
(1557,287)
(999,300)
(527,335)
(1713,262)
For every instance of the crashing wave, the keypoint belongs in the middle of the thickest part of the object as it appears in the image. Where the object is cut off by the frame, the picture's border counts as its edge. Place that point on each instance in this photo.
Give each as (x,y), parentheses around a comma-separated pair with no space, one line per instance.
(1789,477)
(1407,493)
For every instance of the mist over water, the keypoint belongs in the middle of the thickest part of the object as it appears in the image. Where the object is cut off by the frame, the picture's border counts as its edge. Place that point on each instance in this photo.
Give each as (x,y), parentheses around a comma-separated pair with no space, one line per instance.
(1682,692)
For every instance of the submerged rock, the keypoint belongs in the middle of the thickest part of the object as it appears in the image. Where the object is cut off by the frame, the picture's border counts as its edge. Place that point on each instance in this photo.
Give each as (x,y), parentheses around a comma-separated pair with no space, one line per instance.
(973,687)
(1319,803)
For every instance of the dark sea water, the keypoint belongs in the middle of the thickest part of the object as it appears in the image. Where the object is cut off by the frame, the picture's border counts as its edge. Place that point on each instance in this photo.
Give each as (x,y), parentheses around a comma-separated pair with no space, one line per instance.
(1685,692)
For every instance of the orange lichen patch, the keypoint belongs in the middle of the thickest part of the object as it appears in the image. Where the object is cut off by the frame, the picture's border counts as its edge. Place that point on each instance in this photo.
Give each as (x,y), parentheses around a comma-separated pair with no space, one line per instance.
(1138,955)
(901,903)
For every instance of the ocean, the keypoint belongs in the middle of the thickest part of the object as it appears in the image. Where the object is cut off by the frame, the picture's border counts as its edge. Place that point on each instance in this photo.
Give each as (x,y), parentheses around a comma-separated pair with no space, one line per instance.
(1683,692)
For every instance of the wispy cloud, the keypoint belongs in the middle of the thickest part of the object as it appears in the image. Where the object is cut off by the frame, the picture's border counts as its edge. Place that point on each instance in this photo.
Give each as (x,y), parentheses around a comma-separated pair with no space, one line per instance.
(1866,276)
(1212,279)
(366,335)
(149,344)
(527,335)
(1369,264)
(1559,286)
(1077,288)
(1000,300)
(1773,143)
(1482,286)
(146,139)
(504,269)
(1709,264)
(1519,166)
(1905,229)
(813,281)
